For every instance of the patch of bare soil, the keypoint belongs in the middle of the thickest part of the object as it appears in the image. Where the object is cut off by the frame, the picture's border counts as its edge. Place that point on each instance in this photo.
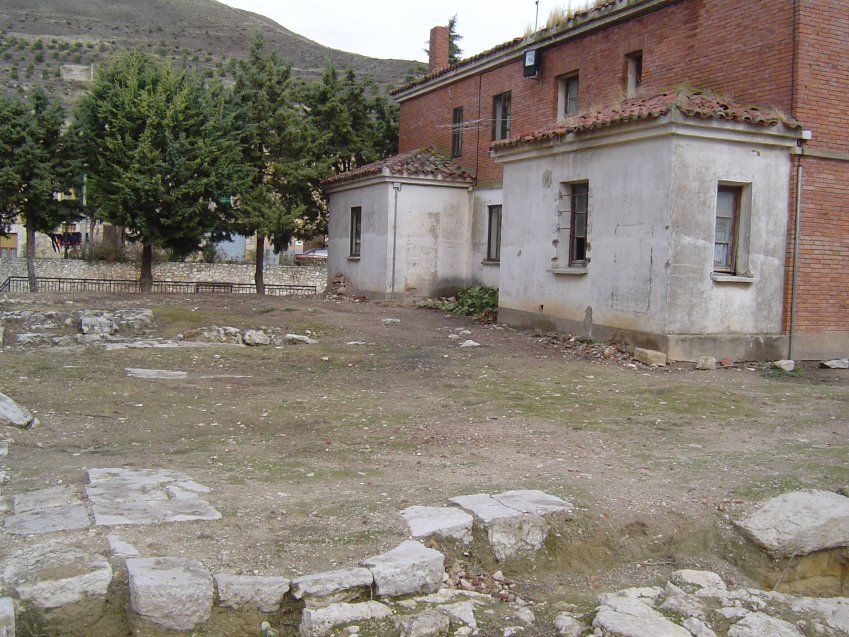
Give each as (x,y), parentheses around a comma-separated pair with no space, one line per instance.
(311,451)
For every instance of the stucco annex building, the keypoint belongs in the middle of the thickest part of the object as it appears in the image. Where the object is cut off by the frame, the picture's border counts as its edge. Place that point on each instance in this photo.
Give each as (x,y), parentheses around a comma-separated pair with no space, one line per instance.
(674,173)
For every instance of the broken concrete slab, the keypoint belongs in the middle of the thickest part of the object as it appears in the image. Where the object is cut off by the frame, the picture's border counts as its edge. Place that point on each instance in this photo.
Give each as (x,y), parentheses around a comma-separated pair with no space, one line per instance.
(410,568)
(323,589)
(264,592)
(7,616)
(173,592)
(54,574)
(155,374)
(146,496)
(447,522)
(650,357)
(13,415)
(799,523)
(318,622)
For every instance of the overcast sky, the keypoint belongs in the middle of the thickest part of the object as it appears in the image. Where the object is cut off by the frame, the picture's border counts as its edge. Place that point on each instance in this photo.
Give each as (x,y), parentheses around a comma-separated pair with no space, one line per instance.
(400,28)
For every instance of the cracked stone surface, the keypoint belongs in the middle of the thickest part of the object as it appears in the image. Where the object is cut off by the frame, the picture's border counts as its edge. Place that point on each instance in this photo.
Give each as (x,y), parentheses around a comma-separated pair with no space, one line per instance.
(448,522)
(410,568)
(54,574)
(146,496)
(318,622)
(47,511)
(323,589)
(264,592)
(172,592)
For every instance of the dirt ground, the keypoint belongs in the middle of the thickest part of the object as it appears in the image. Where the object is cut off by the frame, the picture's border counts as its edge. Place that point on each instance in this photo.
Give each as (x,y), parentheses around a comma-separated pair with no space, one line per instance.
(314,452)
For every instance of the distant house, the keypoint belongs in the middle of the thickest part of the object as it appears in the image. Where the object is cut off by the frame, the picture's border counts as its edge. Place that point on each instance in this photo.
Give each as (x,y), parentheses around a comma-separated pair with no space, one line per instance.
(670,173)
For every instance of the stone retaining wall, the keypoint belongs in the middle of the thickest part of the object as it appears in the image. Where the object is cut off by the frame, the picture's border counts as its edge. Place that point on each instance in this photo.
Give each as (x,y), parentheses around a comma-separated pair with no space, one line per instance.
(174,271)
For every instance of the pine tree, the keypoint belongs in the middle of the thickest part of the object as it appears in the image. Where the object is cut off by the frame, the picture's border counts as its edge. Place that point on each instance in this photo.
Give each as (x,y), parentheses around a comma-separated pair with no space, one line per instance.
(35,163)
(283,152)
(162,155)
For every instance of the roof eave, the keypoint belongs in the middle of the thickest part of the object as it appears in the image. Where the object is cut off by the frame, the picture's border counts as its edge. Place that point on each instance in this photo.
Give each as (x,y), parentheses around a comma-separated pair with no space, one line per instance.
(517,51)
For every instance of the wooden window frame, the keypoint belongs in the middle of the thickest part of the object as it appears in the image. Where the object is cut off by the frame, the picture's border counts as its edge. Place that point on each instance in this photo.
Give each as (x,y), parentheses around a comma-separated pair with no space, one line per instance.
(730,265)
(577,189)
(502,115)
(494,210)
(457,132)
(563,105)
(633,73)
(356,232)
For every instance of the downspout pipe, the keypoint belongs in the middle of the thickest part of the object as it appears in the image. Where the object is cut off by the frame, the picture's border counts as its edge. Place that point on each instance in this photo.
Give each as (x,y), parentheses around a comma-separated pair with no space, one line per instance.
(397,187)
(797,233)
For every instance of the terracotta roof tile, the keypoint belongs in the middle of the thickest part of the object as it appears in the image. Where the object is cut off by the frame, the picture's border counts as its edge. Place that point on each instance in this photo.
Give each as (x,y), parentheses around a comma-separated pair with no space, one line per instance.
(423,162)
(696,104)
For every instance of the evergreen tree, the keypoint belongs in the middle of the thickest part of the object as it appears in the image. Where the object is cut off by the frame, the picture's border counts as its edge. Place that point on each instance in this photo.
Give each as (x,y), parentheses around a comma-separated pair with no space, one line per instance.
(455,53)
(162,153)
(35,163)
(282,151)
(360,128)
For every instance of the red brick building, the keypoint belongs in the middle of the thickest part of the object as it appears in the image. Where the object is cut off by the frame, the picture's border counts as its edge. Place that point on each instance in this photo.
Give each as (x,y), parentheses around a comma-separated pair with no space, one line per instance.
(786,55)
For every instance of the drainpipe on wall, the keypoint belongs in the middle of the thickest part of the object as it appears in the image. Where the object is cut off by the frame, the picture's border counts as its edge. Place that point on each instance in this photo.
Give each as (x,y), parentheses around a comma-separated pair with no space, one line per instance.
(797,233)
(397,187)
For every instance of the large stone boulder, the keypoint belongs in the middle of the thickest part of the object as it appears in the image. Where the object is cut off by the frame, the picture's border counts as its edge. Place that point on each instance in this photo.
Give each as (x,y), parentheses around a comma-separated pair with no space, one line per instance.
(13,415)
(318,622)
(410,568)
(55,574)
(256,338)
(799,522)
(323,589)
(172,592)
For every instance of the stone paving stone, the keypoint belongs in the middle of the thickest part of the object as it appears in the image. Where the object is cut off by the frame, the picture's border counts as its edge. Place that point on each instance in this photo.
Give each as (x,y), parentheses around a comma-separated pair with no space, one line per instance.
(173,592)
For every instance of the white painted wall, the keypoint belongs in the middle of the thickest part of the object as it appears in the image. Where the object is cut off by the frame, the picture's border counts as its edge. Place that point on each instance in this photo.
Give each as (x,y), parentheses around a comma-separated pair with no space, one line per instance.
(484,273)
(368,275)
(697,304)
(625,282)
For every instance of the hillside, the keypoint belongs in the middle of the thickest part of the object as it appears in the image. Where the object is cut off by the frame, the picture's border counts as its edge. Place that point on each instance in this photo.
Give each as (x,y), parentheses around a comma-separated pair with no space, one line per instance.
(51,42)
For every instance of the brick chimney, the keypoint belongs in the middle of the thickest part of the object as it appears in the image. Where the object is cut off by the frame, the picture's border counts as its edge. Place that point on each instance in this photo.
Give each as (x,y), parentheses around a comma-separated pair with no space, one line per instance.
(439,49)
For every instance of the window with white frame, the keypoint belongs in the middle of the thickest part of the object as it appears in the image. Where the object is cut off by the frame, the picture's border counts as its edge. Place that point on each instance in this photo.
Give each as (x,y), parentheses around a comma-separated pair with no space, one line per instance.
(356,231)
(493,238)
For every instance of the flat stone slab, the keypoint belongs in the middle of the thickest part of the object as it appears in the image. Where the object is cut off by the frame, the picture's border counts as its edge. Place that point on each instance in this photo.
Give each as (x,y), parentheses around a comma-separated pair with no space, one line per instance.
(161,374)
(449,522)
(761,625)
(410,568)
(323,589)
(47,511)
(121,549)
(55,574)
(146,496)
(238,591)
(799,522)
(172,592)
(627,617)
(318,622)
(484,507)
(533,501)
(7,613)
(13,415)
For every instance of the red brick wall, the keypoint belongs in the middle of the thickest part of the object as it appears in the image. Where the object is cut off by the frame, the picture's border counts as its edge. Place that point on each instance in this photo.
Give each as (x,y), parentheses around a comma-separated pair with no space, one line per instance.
(740,47)
(822,297)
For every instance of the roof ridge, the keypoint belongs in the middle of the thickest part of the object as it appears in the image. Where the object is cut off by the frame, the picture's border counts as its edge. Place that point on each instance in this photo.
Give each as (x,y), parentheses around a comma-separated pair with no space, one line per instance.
(422,162)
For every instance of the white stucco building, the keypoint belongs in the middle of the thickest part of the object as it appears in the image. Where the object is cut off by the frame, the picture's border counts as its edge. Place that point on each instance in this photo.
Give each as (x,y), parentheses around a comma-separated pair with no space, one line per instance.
(661,222)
